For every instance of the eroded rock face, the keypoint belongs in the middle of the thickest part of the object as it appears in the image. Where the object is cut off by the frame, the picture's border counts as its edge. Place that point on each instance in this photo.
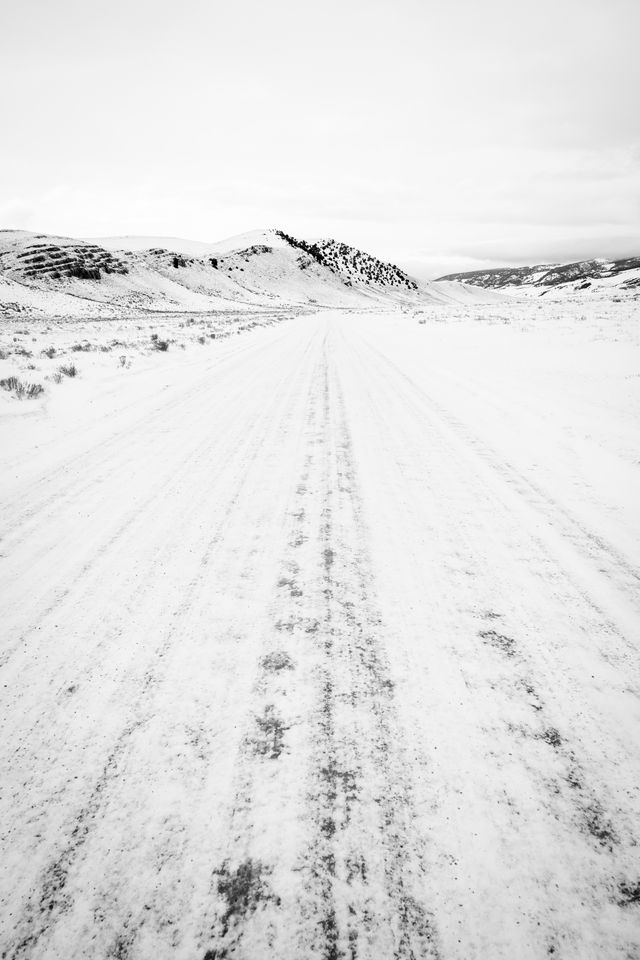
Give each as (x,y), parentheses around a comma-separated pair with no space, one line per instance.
(29,258)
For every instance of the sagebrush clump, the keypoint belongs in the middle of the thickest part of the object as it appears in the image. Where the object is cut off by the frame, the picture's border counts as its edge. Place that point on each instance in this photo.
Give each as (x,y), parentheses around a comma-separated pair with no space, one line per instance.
(159,344)
(22,390)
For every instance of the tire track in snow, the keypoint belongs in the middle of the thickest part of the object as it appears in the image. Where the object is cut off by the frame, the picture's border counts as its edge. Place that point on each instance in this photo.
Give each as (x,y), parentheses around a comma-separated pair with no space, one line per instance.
(602,557)
(85,462)
(323,705)
(116,457)
(587,816)
(48,904)
(51,901)
(365,788)
(234,459)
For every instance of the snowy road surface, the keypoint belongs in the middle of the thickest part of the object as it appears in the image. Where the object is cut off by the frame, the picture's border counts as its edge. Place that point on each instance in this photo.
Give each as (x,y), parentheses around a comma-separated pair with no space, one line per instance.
(325,648)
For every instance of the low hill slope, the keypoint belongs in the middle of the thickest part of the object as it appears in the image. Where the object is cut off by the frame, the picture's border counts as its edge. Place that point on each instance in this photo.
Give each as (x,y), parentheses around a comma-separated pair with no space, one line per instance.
(353,266)
(48,275)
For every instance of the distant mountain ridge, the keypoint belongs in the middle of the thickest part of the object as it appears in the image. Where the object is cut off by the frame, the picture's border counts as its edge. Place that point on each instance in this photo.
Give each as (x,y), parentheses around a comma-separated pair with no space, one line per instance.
(580,275)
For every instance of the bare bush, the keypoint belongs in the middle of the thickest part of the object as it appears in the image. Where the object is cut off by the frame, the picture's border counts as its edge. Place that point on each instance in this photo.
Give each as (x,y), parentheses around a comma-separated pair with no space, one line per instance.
(22,390)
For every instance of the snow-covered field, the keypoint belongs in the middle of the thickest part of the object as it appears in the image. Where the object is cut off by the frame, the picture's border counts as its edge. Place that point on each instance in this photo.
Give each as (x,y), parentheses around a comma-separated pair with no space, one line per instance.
(320,640)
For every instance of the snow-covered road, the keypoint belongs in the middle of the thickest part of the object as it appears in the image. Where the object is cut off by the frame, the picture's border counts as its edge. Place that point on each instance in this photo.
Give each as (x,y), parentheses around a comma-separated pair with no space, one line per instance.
(324,645)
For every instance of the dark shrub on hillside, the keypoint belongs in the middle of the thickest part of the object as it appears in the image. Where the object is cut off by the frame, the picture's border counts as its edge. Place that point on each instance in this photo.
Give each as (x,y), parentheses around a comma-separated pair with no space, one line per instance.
(84,273)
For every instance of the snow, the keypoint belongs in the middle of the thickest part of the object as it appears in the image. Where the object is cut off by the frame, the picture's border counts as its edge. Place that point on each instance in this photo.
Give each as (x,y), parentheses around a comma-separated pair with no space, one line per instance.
(252,238)
(189,248)
(448,291)
(320,634)
(192,248)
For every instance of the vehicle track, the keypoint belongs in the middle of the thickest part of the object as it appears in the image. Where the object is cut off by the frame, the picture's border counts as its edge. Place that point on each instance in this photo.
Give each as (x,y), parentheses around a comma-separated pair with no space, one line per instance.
(323,703)
(594,549)
(507,663)
(244,459)
(120,486)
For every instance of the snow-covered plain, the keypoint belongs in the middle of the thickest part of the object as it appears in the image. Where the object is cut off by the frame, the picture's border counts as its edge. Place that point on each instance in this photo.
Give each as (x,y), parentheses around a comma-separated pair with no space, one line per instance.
(320,639)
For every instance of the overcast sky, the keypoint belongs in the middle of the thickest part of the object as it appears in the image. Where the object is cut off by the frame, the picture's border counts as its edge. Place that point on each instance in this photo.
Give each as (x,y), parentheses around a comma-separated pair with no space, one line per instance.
(441,134)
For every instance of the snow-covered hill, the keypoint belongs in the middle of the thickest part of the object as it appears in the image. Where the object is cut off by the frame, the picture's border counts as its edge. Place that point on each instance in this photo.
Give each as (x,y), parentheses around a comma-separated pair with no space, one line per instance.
(578,275)
(189,248)
(351,264)
(47,275)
